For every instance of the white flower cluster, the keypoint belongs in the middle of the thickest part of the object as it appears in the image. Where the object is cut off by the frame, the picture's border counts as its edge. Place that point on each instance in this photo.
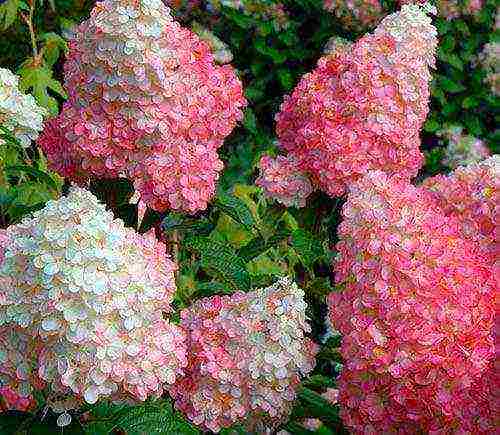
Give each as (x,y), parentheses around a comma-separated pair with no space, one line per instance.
(94,294)
(19,112)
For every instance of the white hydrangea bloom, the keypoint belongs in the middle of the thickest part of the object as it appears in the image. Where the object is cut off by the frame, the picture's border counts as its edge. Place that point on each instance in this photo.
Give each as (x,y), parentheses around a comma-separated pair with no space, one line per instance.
(19,112)
(94,293)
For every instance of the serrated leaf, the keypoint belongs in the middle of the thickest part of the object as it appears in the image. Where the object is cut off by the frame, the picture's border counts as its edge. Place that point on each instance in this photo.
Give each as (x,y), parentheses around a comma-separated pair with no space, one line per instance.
(235,208)
(178,222)
(8,12)
(44,177)
(222,260)
(307,246)
(38,80)
(259,246)
(54,44)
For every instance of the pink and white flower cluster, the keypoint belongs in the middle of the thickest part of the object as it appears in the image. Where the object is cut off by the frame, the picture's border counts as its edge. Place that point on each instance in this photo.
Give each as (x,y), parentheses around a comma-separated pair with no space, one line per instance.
(146,102)
(417,308)
(246,355)
(356,14)
(462,149)
(452,9)
(92,294)
(361,109)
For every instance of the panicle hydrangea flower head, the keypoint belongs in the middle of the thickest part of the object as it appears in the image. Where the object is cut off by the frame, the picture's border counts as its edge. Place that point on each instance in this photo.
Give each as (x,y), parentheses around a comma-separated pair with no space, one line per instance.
(94,293)
(362,108)
(281,179)
(471,194)
(144,90)
(489,59)
(355,14)
(18,377)
(462,149)
(451,9)
(416,312)
(247,352)
(19,113)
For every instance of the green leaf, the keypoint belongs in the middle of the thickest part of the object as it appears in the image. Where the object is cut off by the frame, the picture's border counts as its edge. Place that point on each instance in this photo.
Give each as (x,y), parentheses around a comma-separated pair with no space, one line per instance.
(450,86)
(179,222)
(236,209)
(44,177)
(153,418)
(286,78)
(250,121)
(470,102)
(431,125)
(307,246)
(38,80)
(222,260)
(11,422)
(54,45)
(319,406)
(8,12)
(259,246)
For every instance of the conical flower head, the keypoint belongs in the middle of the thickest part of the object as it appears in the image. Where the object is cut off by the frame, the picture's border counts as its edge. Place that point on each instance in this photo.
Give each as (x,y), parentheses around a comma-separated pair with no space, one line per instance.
(143,90)
(416,311)
(94,293)
(362,107)
(247,352)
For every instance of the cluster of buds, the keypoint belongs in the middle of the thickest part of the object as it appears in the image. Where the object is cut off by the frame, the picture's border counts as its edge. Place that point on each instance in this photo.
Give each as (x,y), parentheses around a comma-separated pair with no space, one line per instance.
(363,106)
(356,14)
(246,355)
(462,149)
(19,113)
(92,293)
(416,311)
(145,102)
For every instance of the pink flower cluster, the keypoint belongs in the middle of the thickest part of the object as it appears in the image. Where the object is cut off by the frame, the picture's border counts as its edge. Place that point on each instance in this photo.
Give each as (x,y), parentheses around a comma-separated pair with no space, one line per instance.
(356,14)
(282,181)
(247,352)
(362,108)
(462,149)
(146,102)
(417,309)
(472,195)
(93,294)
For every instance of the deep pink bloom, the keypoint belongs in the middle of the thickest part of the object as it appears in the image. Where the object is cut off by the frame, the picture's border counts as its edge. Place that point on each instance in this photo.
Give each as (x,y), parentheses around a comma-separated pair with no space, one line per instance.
(362,107)
(416,313)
